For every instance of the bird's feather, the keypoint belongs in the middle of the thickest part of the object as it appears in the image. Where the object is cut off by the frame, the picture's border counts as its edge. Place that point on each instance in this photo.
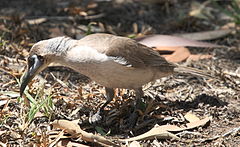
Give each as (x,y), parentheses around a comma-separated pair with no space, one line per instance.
(132,53)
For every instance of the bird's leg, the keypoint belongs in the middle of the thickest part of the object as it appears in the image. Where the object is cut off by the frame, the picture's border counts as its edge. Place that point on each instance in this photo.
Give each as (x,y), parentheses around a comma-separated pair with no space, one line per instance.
(134,116)
(109,96)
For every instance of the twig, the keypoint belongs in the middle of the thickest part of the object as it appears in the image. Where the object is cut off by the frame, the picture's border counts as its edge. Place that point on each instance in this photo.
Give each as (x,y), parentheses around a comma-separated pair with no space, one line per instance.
(65,18)
(232,131)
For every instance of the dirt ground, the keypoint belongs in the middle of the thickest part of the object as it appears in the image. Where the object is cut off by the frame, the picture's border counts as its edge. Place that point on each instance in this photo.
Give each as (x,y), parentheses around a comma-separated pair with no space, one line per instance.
(61,93)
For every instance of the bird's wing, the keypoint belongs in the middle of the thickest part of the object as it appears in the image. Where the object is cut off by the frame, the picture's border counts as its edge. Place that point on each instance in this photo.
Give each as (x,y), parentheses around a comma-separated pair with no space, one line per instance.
(135,54)
(126,51)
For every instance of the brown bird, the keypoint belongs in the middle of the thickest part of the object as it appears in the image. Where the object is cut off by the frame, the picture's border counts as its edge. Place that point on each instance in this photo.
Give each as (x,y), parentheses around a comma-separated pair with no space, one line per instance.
(112,61)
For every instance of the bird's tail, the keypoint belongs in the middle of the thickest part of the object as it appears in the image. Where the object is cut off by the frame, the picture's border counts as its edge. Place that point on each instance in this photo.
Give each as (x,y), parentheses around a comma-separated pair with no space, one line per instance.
(193,71)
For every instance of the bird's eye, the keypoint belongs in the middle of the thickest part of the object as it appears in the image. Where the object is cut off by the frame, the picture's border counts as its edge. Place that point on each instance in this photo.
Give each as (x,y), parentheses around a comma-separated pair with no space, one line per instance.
(35,59)
(30,61)
(40,58)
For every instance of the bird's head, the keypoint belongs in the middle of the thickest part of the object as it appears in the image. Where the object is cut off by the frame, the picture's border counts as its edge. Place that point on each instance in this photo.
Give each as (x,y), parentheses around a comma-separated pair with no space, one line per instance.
(41,55)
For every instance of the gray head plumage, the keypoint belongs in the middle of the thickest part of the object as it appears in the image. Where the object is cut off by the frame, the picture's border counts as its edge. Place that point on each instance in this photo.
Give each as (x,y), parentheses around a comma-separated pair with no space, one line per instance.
(54,46)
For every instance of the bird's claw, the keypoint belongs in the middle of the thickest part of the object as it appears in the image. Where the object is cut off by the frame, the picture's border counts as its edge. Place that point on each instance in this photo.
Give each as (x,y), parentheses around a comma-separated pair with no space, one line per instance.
(132,120)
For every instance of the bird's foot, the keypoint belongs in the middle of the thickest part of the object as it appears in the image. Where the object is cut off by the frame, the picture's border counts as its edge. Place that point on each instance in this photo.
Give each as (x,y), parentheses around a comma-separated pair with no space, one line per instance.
(94,118)
(132,120)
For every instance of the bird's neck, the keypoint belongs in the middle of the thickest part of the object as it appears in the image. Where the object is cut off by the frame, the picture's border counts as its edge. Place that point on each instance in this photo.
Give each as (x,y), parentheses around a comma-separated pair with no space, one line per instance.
(83,59)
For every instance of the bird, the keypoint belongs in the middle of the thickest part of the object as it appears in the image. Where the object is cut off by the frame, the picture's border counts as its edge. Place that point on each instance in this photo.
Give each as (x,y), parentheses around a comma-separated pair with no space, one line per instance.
(111,61)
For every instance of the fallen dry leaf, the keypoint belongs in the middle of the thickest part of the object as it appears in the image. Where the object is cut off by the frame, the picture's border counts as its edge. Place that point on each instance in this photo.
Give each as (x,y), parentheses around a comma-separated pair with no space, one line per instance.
(36,21)
(199,123)
(179,53)
(69,143)
(55,32)
(3,132)
(172,41)
(56,140)
(134,144)
(164,131)
(14,135)
(4,101)
(198,57)
(206,35)
(74,129)
(174,48)
(191,117)
(4,29)
(201,10)
(156,132)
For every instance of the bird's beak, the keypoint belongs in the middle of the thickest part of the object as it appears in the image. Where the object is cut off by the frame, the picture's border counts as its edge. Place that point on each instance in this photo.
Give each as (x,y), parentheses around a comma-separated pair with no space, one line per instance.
(33,69)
